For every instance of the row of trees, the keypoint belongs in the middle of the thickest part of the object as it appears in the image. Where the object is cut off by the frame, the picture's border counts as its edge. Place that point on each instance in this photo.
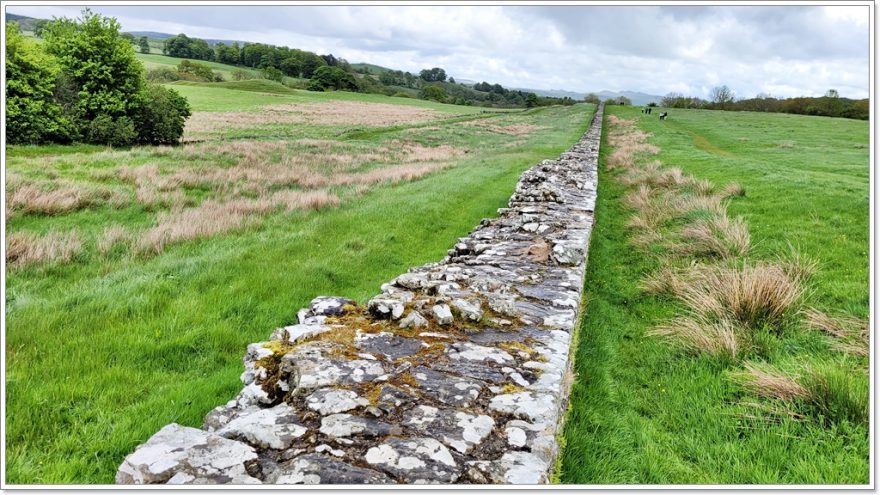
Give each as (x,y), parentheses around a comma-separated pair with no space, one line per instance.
(84,83)
(289,61)
(723,98)
(327,72)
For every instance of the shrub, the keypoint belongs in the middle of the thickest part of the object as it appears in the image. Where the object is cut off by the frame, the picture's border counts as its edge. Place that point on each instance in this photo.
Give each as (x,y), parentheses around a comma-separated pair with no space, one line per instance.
(162,74)
(194,71)
(272,74)
(32,115)
(241,75)
(104,129)
(436,93)
(161,117)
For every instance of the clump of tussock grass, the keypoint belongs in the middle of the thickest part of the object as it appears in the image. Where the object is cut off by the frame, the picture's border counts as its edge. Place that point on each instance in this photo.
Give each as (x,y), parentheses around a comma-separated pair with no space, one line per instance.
(786,144)
(825,389)
(766,381)
(700,334)
(666,280)
(732,190)
(852,335)
(25,248)
(717,236)
(684,204)
(56,197)
(750,294)
(111,237)
(701,187)
(797,264)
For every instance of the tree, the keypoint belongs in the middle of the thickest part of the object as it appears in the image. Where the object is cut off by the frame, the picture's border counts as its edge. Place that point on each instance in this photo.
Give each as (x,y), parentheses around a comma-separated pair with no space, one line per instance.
(144,44)
(32,115)
(592,98)
(832,93)
(102,86)
(452,80)
(327,77)
(433,75)
(531,100)
(721,96)
(98,62)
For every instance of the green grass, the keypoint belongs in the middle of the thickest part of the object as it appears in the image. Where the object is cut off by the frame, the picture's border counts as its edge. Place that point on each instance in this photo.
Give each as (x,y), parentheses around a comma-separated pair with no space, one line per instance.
(103,352)
(642,412)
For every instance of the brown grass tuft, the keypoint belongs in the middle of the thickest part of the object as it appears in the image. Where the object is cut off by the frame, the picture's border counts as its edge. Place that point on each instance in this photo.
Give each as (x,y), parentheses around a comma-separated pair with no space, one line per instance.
(110,238)
(732,190)
(25,248)
(53,198)
(749,294)
(766,381)
(698,334)
(852,334)
(717,236)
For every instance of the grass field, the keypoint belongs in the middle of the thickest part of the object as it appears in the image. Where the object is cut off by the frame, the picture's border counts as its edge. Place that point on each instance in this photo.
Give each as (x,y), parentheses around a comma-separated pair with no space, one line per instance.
(645,411)
(141,274)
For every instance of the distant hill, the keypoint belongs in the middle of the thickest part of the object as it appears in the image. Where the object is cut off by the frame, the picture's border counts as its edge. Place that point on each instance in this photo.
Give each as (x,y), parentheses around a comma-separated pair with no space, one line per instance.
(26,23)
(636,97)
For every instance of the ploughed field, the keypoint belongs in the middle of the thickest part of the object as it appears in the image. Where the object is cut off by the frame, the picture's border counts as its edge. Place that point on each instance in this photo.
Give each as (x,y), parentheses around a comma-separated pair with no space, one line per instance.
(136,277)
(726,335)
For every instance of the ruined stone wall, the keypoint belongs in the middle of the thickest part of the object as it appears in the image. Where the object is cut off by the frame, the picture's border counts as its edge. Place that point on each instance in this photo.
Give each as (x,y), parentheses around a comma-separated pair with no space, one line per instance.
(458,372)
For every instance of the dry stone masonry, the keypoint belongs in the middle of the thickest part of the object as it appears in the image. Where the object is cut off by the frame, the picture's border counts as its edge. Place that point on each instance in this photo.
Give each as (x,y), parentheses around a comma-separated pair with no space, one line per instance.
(458,372)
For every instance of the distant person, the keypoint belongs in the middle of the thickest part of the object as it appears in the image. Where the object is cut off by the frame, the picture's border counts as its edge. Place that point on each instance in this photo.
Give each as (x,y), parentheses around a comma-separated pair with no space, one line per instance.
(648,110)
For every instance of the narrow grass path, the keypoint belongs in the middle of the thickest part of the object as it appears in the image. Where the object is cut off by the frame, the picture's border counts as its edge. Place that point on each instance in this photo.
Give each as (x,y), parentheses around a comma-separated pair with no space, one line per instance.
(642,412)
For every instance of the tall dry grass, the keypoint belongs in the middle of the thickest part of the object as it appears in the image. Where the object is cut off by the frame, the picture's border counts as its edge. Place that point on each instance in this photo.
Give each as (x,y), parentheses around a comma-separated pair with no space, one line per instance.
(56,197)
(717,236)
(751,294)
(26,248)
(833,391)
(700,334)
(852,335)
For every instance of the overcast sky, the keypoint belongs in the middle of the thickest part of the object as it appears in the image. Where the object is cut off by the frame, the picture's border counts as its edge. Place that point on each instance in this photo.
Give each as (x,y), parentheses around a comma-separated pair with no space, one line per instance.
(780,50)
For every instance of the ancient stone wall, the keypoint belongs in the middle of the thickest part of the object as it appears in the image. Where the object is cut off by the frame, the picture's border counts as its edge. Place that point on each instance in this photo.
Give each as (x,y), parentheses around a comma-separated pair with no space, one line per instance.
(458,372)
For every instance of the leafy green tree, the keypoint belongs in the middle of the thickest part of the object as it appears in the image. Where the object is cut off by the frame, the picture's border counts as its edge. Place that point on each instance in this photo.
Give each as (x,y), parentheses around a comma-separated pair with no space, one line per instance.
(592,98)
(433,75)
(531,100)
(144,44)
(327,77)
(32,114)
(98,62)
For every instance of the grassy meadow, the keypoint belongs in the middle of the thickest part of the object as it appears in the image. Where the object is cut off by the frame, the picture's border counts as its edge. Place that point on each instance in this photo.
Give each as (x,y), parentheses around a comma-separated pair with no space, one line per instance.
(136,277)
(671,389)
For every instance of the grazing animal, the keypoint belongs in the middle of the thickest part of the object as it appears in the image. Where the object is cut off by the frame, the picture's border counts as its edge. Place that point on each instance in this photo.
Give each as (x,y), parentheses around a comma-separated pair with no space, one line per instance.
(663,115)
